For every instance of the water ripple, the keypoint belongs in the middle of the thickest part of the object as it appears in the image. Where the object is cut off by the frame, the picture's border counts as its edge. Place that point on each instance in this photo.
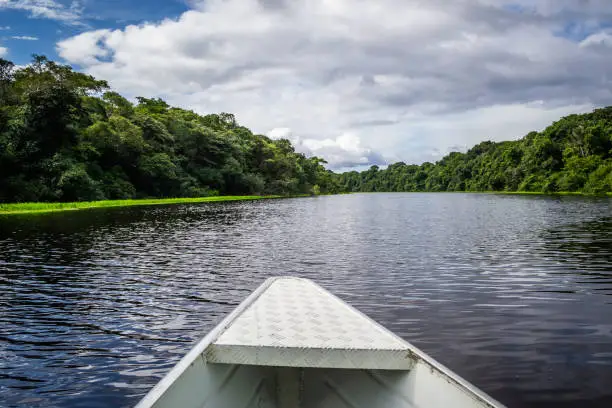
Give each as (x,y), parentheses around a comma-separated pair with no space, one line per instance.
(513,293)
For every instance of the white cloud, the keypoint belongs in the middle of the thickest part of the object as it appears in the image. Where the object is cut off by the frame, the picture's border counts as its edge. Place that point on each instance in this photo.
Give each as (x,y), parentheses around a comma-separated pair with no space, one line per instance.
(84,49)
(50,9)
(344,151)
(387,74)
(280,133)
(430,140)
(602,38)
(4,28)
(24,37)
(3,51)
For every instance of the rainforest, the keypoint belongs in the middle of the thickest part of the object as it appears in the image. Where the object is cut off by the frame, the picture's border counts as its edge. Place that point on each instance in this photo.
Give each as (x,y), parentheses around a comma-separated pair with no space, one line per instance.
(65,137)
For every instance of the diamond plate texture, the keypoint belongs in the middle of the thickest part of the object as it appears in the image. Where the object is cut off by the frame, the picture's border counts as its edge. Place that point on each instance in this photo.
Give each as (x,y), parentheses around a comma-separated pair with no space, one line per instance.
(295,322)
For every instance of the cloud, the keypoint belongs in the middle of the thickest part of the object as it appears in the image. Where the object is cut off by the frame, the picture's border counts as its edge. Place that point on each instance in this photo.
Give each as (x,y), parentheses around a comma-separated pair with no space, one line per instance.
(430,140)
(3,51)
(344,151)
(602,38)
(280,133)
(49,9)
(24,37)
(4,28)
(84,49)
(387,72)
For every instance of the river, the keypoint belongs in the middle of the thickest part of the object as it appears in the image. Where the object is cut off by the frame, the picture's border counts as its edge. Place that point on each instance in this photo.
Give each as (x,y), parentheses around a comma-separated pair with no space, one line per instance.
(514,293)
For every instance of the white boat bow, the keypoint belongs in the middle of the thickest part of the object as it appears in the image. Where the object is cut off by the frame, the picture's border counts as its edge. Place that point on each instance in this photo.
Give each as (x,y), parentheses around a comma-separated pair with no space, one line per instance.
(293,344)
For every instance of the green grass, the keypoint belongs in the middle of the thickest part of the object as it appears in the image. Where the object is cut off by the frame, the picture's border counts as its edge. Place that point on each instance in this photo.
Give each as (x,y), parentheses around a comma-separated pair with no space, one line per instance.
(37,208)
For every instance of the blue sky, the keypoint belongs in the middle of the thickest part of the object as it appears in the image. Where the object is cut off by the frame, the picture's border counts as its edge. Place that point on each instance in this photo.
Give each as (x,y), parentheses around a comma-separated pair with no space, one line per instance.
(355,82)
(35,19)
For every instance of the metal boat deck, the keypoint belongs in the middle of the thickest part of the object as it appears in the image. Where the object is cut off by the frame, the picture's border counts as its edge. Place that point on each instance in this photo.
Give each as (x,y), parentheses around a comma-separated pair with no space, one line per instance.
(296,323)
(292,344)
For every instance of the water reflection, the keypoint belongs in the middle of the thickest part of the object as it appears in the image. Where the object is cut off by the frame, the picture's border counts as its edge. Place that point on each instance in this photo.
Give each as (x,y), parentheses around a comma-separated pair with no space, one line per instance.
(588,248)
(511,292)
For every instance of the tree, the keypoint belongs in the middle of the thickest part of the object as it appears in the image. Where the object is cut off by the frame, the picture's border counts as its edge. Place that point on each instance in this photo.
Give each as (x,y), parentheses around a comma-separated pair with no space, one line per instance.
(570,155)
(65,136)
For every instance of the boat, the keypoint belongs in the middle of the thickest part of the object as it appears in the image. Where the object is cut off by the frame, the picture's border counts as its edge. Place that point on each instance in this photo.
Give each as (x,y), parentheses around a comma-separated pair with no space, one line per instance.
(292,344)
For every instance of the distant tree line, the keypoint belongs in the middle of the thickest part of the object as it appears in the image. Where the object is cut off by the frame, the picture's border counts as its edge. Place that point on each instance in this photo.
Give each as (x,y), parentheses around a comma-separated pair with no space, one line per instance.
(64,136)
(574,154)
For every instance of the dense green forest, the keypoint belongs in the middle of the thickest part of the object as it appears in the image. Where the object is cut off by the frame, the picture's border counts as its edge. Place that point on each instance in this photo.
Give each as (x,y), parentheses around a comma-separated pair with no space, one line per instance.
(574,154)
(64,136)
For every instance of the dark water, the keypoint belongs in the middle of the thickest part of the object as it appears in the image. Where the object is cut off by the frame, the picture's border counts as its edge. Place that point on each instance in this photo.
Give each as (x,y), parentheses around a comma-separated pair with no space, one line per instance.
(513,293)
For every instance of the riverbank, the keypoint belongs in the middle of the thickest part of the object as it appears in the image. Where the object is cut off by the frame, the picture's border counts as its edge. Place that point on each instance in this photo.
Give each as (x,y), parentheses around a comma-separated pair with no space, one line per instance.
(531,193)
(39,208)
(556,193)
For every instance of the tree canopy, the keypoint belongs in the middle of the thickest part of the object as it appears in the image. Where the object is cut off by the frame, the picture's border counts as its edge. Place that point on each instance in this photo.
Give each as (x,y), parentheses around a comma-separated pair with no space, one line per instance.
(574,154)
(65,136)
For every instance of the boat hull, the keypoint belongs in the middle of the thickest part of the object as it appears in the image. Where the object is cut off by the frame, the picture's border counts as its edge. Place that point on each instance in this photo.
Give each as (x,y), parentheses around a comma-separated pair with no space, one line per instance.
(277,374)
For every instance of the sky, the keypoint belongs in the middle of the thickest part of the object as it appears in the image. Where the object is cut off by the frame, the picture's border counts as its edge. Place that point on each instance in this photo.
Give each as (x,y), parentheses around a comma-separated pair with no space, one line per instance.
(356,82)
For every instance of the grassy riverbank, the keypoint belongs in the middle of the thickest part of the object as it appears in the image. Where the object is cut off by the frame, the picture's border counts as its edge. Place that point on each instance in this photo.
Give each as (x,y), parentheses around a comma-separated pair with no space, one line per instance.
(37,208)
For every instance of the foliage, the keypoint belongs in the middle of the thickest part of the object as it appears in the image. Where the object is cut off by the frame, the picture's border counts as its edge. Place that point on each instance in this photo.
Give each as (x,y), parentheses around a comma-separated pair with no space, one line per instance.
(64,136)
(574,154)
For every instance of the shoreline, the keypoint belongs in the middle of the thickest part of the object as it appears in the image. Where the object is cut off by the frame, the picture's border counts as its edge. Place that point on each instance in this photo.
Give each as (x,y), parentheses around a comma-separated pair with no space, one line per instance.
(535,193)
(49,207)
(558,193)
(42,208)
(540,193)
